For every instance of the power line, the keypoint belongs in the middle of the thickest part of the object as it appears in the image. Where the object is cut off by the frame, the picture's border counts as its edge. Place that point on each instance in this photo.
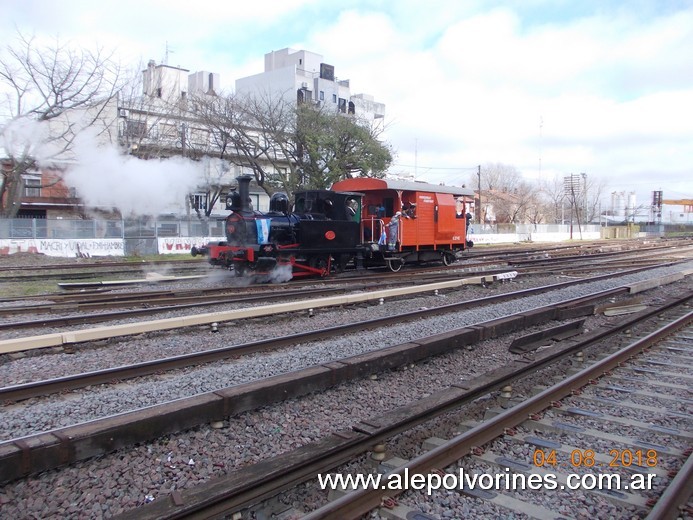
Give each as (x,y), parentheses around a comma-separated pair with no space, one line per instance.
(433,167)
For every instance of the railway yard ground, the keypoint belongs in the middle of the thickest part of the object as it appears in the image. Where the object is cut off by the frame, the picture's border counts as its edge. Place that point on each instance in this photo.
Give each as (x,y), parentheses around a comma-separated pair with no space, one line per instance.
(510,384)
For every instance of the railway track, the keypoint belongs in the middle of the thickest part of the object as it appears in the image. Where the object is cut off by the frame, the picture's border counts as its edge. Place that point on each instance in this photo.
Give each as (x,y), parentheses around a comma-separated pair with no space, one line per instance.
(75,441)
(575,450)
(71,337)
(148,303)
(248,491)
(185,413)
(47,387)
(15,274)
(127,269)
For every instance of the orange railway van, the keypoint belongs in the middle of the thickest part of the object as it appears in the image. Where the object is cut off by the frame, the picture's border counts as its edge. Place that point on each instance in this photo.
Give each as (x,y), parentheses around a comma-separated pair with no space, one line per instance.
(431,224)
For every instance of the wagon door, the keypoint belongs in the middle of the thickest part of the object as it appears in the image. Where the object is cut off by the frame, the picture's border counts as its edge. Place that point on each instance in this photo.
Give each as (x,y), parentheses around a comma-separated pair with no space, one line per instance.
(444,215)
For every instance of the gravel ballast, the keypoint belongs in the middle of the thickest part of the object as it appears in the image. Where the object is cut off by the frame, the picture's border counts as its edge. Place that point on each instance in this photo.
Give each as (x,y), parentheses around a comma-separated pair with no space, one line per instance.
(128,478)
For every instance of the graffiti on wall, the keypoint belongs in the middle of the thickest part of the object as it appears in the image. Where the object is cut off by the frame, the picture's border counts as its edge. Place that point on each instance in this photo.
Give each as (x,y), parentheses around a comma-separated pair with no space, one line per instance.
(63,247)
(182,245)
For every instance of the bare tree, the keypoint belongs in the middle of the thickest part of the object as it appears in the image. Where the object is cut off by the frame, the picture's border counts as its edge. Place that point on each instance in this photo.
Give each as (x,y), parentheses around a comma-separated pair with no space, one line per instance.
(594,191)
(535,209)
(500,177)
(564,200)
(553,194)
(253,133)
(515,206)
(495,180)
(52,93)
(289,146)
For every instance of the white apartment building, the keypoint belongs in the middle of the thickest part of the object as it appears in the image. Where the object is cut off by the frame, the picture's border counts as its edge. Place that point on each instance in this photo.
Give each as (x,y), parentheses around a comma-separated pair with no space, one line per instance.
(302,76)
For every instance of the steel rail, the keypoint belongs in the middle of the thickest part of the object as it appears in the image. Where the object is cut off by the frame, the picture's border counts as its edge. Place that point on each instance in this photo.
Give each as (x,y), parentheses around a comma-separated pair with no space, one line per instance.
(676,495)
(186,302)
(83,335)
(73,382)
(267,478)
(47,387)
(360,502)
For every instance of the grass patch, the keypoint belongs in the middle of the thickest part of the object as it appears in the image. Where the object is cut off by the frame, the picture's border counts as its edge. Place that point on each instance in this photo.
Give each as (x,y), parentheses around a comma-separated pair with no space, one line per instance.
(31,288)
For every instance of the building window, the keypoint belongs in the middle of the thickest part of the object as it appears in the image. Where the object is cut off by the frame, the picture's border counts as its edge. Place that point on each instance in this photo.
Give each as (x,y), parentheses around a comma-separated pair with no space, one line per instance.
(135,128)
(342,105)
(32,187)
(199,201)
(199,136)
(168,131)
(334,98)
(322,95)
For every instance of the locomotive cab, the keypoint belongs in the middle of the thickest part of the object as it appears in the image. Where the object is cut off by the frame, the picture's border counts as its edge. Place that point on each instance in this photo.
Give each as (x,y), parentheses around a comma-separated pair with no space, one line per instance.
(325,220)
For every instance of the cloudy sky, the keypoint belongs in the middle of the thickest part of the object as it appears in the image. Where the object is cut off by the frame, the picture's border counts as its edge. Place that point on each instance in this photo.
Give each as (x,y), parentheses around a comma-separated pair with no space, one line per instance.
(551,87)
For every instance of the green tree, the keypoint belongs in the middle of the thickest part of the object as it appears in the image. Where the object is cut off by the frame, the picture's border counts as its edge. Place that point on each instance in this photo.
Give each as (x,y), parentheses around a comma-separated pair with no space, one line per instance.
(337,147)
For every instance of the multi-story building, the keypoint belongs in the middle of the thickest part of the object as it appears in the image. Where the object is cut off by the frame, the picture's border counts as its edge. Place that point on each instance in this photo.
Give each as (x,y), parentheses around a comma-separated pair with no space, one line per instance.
(156,122)
(303,76)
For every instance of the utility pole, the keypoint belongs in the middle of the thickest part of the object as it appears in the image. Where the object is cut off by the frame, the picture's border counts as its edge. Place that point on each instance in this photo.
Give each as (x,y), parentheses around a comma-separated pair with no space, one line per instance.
(571,185)
(478,174)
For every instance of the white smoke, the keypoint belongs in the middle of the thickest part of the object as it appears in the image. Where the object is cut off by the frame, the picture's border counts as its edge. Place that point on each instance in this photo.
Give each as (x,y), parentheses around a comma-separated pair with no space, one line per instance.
(24,137)
(281,273)
(104,177)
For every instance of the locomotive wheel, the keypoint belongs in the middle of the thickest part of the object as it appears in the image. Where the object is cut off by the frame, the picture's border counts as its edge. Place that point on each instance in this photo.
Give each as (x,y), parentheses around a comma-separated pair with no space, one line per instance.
(448,259)
(342,262)
(320,262)
(395,264)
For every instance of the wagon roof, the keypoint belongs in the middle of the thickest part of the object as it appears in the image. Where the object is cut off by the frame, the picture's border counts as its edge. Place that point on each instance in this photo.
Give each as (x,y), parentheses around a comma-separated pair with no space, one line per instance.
(364,184)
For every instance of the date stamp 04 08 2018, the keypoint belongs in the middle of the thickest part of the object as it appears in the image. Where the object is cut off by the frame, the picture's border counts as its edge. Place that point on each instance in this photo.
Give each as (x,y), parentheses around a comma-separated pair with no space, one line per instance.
(587,458)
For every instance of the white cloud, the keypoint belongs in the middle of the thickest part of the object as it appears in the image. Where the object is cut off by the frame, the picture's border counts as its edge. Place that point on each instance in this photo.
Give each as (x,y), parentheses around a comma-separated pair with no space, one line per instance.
(610,91)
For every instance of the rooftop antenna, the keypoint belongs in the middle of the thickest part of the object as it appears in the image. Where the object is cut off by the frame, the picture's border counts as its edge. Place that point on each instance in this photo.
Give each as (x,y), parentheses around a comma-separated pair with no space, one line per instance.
(541,125)
(168,51)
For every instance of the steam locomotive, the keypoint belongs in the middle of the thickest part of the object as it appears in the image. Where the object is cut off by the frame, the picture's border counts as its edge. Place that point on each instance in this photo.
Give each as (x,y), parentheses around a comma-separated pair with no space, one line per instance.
(326,230)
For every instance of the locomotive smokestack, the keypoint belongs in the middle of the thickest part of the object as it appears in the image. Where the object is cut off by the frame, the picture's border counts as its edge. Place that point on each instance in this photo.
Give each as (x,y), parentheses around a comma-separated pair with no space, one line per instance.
(244,191)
